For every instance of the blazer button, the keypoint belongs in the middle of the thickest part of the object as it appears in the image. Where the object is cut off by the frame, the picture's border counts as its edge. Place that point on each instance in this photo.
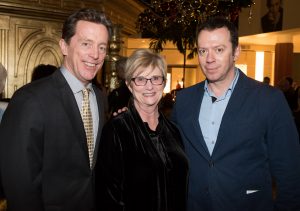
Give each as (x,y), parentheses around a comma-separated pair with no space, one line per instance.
(211,163)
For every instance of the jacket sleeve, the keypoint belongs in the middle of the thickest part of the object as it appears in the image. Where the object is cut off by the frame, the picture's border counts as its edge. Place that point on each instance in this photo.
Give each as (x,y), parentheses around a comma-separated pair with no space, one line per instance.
(284,154)
(21,145)
(109,171)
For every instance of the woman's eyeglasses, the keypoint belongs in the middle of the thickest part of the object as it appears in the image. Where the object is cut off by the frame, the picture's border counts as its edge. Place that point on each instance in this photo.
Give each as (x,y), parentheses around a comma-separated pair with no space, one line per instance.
(142,81)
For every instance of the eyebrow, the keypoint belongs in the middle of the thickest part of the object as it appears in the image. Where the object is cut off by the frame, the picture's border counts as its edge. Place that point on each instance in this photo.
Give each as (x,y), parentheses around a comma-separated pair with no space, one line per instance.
(217,46)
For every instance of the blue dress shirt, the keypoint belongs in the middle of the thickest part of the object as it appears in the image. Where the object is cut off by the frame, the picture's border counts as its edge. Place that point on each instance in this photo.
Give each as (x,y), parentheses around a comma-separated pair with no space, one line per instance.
(211,113)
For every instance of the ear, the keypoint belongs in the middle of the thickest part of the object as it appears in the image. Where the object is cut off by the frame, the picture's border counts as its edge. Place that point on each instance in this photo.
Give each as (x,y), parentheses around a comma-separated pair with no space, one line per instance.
(128,85)
(237,53)
(63,47)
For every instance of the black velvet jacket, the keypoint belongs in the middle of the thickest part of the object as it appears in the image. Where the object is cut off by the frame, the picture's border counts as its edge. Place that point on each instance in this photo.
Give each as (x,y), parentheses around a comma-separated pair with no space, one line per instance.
(140,171)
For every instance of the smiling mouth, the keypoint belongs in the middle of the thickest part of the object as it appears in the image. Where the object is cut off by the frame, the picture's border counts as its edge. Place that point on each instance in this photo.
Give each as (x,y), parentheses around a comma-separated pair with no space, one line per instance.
(89,64)
(149,94)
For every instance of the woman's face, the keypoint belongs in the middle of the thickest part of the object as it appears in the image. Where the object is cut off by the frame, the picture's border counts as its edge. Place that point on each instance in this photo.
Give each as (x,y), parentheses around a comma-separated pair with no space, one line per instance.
(147,95)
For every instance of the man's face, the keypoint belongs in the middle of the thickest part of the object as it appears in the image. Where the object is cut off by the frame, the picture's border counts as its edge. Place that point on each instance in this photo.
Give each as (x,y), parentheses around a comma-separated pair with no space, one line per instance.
(274,6)
(84,55)
(215,54)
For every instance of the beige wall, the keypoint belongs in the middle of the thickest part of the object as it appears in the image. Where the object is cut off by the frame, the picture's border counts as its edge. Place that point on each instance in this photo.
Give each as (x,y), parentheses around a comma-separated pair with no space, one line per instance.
(248,57)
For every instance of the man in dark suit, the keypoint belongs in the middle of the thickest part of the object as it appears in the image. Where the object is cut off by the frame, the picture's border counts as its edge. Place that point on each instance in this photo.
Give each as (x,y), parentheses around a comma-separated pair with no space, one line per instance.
(239,134)
(45,161)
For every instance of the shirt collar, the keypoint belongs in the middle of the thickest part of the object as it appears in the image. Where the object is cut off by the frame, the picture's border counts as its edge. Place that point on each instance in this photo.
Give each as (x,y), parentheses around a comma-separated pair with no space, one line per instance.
(230,88)
(73,82)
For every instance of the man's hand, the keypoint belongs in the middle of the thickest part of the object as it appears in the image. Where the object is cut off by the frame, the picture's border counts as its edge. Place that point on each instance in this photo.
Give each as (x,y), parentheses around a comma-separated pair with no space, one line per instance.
(121,110)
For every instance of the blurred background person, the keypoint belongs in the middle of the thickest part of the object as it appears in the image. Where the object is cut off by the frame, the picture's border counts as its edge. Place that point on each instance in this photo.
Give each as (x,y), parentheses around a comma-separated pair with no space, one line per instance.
(3,76)
(267,80)
(290,90)
(42,70)
(286,84)
(141,164)
(120,96)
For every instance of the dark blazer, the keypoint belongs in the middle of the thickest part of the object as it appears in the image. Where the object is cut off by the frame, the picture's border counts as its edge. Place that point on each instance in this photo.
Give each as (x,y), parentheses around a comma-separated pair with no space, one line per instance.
(257,140)
(132,174)
(44,155)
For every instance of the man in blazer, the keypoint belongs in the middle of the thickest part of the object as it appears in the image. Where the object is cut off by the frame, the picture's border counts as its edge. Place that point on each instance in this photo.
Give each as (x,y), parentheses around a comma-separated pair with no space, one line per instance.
(44,154)
(239,134)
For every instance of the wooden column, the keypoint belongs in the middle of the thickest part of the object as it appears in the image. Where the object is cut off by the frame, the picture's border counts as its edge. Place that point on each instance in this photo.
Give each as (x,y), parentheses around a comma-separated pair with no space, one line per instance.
(283,61)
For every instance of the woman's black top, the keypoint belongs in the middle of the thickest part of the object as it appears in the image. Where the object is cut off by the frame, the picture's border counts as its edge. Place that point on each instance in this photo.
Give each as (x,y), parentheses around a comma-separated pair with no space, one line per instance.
(138,169)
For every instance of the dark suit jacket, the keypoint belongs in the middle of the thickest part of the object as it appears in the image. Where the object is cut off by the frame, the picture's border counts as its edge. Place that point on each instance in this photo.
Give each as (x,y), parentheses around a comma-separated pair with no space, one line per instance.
(257,140)
(44,155)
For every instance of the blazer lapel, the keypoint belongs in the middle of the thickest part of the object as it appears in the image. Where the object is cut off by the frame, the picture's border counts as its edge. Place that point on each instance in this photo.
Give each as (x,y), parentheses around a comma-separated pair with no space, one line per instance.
(235,103)
(71,109)
(102,119)
(191,119)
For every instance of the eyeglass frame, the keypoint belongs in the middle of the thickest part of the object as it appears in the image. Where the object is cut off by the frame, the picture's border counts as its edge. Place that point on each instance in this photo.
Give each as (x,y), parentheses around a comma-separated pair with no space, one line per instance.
(148,79)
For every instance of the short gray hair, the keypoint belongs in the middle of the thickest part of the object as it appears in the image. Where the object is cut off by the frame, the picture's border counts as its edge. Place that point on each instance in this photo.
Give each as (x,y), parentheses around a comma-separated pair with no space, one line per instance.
(144,58)
(3,76)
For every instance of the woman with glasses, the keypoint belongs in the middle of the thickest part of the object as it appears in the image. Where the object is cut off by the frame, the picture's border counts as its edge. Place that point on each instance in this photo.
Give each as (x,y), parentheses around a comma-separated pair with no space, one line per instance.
(141,164)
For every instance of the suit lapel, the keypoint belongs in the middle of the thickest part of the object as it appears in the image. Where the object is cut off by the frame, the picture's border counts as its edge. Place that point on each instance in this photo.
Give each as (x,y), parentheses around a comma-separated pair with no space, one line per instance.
(191,118)
(102,118)
(235,103)
(71,109)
